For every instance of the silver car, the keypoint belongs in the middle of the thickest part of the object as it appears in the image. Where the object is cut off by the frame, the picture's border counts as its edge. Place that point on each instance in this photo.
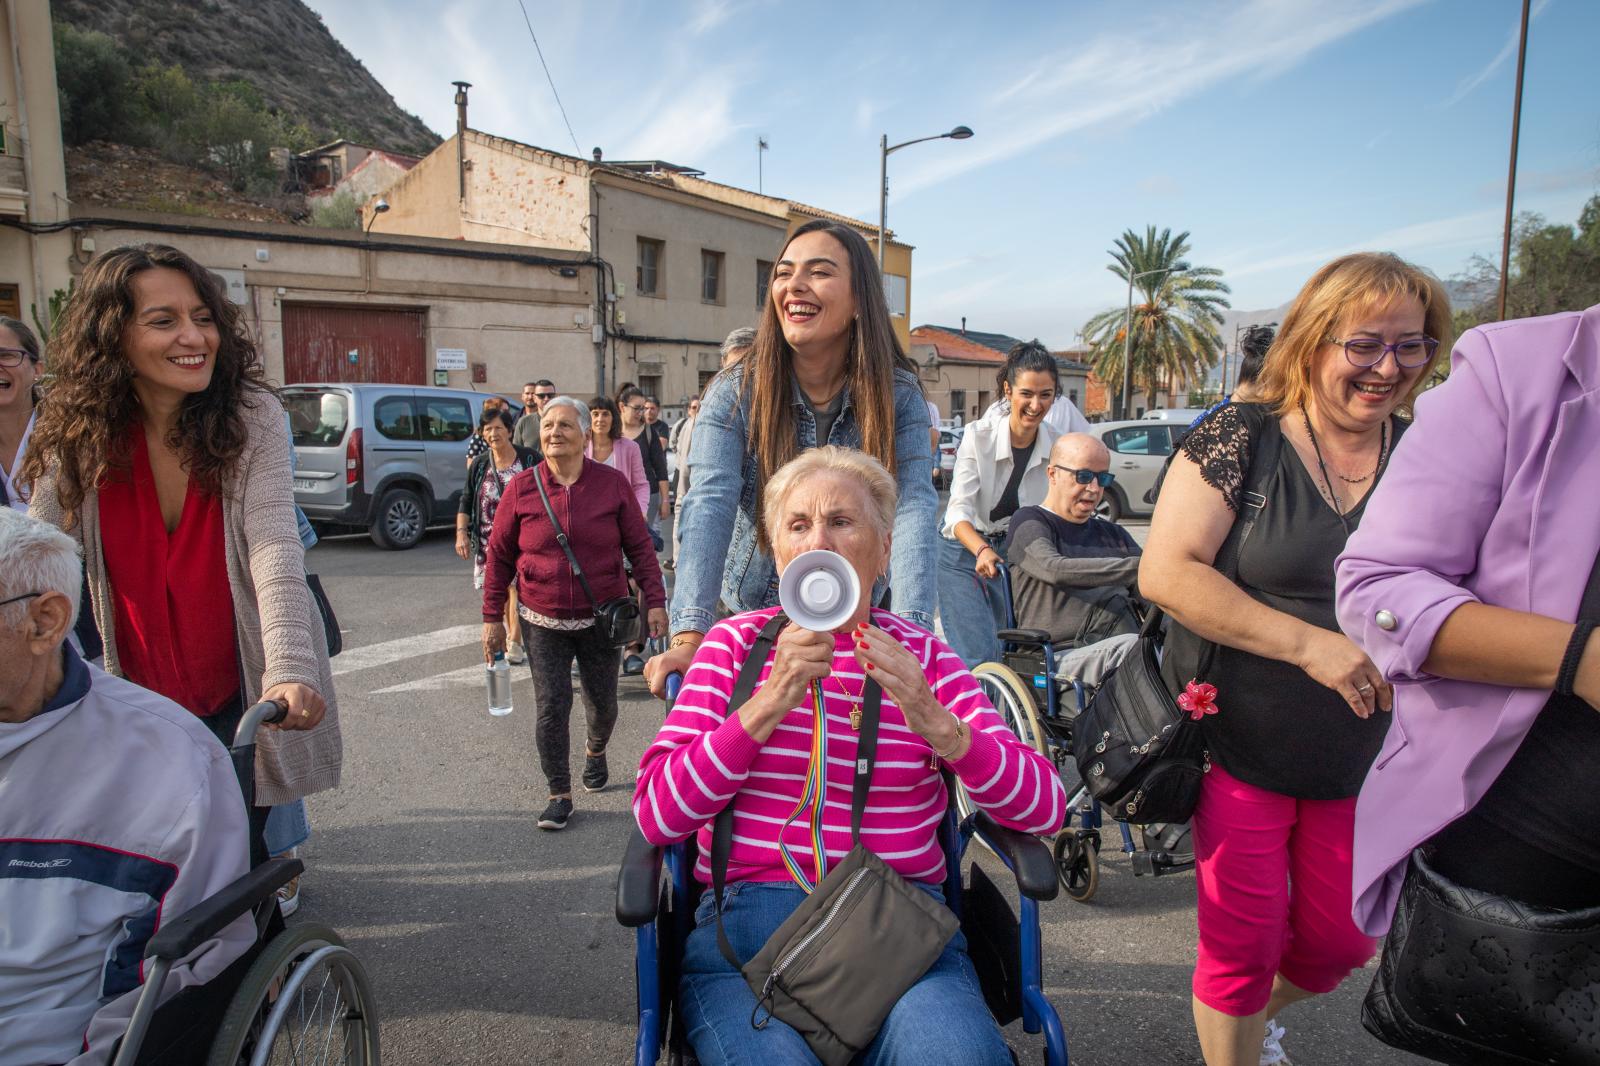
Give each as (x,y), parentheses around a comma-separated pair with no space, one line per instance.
(1139,450)
(390,459)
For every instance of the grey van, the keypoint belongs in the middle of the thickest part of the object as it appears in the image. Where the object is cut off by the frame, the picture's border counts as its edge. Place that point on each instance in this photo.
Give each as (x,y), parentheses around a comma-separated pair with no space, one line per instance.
(390,459)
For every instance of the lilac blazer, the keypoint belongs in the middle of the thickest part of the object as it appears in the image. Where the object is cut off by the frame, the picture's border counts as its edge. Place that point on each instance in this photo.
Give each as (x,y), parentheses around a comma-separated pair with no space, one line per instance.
(1492,498)
(630,461)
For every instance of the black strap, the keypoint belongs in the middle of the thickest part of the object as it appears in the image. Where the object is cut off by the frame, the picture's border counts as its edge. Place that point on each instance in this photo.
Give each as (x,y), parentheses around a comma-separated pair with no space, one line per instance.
(1252,502)
(561,538)
(866,757)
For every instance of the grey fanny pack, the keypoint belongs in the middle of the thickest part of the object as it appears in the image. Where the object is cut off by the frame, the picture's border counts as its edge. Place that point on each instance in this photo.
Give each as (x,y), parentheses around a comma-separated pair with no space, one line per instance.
(837,966)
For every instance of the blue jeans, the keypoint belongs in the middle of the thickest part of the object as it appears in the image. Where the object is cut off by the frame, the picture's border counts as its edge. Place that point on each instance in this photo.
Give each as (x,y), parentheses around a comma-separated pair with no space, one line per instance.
(972,608)
(941,1019)
(287,827)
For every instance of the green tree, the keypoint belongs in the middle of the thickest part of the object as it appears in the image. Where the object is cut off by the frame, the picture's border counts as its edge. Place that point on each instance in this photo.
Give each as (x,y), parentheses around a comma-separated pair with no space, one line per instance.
(1177,312)
(93,78)
(1553,268)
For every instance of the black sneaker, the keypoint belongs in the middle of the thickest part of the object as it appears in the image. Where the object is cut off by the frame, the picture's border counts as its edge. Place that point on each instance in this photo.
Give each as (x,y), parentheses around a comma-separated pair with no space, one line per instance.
(555,816)
(633,665)
(595,774)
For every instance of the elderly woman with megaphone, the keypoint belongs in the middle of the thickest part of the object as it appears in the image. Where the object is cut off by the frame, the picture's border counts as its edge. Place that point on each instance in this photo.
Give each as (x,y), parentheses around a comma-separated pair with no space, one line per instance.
(808,758)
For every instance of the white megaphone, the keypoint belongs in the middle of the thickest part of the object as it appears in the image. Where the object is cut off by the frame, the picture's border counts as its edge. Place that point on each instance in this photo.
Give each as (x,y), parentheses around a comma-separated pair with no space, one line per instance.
(819,591)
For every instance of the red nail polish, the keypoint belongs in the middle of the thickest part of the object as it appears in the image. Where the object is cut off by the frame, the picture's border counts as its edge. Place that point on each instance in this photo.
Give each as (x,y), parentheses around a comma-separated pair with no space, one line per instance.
(863,643)
(869,666)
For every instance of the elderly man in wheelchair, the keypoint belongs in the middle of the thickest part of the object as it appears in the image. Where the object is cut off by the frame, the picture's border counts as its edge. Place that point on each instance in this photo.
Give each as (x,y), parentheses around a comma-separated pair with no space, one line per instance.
(790,753)
(125,873)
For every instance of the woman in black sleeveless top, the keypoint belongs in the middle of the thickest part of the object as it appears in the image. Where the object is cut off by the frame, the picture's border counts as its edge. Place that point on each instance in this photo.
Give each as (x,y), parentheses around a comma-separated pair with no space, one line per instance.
(1300,710)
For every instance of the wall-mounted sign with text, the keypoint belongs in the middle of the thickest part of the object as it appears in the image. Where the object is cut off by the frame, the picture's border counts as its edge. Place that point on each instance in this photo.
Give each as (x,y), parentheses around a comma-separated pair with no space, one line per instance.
(450,358)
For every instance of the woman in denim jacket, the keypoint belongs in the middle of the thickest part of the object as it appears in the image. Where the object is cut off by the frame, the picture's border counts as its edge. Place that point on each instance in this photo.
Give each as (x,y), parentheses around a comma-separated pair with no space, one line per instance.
(826,368)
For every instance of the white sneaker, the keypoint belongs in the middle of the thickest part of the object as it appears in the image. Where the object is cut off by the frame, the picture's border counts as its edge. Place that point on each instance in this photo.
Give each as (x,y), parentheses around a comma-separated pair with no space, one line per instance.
(1272,1053)
(515,655)
(289,897)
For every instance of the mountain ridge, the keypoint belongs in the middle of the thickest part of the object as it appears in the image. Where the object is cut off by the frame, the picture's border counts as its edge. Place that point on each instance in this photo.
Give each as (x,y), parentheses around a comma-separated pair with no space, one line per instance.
(280,47)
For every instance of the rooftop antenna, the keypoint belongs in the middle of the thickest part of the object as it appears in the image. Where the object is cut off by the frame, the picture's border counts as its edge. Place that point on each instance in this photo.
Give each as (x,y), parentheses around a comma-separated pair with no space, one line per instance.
(761,150)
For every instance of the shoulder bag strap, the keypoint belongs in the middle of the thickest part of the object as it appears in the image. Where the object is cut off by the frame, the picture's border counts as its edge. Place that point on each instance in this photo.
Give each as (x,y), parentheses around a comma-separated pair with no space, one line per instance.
(561,539)
(866,755)
(722,829)
(1252,501)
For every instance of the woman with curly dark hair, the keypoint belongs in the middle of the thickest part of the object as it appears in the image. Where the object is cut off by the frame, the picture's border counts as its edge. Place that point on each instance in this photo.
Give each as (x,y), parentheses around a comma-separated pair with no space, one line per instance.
(165,453)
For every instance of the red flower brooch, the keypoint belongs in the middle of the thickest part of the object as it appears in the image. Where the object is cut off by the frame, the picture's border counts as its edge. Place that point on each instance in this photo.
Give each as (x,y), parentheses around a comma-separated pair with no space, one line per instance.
(1199,699)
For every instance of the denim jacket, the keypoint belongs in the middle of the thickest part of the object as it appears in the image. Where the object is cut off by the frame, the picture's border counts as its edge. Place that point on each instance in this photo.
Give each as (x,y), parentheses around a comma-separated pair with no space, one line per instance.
(718,518)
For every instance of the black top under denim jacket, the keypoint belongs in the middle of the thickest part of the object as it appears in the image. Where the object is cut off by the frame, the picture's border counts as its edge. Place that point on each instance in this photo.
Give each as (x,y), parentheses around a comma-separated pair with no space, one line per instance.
(1275,727)
(528,457)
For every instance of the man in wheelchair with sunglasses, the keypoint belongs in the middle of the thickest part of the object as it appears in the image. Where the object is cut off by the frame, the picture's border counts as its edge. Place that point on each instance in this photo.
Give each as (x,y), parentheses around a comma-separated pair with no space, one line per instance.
(1072,572)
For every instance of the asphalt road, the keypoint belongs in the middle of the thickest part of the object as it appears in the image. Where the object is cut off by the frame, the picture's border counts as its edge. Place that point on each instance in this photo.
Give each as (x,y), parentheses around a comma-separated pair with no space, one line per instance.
(491,942)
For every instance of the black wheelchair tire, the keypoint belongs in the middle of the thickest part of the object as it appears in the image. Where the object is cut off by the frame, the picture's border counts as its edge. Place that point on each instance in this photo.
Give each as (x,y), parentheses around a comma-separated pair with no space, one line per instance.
(1077,865)
(272,969)
(1014,703)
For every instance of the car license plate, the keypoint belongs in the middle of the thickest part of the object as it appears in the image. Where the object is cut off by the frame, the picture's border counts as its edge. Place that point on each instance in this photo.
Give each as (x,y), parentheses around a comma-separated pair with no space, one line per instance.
(304,484)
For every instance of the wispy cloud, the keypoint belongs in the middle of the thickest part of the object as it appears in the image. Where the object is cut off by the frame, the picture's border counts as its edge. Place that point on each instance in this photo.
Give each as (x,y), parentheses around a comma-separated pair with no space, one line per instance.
(1473,227)
(692,122)
(1126,78)
(1507,50)
(709,14)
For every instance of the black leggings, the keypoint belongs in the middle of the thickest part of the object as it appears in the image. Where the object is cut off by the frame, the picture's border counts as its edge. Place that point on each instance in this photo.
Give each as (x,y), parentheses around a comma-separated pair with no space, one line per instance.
(1474,852)
(550,655)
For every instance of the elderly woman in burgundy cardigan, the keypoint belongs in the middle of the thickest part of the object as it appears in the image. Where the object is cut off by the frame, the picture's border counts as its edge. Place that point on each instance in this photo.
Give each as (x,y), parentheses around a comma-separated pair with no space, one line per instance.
(755,759)
(597,510)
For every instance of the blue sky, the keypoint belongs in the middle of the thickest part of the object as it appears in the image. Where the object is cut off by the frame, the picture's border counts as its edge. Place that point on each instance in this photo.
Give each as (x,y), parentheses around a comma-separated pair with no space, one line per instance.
(1280,133)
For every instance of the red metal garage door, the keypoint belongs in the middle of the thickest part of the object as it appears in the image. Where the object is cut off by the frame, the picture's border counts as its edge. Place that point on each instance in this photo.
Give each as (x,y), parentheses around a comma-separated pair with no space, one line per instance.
(322,343)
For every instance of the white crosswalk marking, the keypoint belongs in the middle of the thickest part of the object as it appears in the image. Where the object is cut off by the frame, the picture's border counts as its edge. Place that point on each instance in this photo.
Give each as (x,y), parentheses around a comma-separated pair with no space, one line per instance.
(393,651)
(466,677)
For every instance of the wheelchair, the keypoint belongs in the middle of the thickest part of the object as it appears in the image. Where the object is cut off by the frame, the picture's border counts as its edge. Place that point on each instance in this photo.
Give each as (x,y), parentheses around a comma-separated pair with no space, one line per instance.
(660,910)
(1024,689)
(298,995)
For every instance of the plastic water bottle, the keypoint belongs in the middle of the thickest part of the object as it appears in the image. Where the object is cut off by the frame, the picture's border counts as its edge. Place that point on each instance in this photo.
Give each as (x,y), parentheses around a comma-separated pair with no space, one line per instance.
(499,678)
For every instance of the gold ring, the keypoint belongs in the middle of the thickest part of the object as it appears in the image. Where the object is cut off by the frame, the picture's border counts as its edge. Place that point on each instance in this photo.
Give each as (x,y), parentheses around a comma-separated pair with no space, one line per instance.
(305,712)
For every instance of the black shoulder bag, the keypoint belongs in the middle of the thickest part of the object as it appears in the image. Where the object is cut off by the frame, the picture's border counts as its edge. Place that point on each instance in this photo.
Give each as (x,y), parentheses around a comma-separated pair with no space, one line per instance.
(618,619)
(1139,754)
(836,966)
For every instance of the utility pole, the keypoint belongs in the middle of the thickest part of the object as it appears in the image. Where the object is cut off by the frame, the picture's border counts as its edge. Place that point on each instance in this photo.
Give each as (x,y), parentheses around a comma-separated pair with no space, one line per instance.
(1511,175)
(761,152)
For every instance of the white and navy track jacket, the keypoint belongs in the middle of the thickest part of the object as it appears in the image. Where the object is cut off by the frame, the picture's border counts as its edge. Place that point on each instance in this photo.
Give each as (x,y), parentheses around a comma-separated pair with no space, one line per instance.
(118,812)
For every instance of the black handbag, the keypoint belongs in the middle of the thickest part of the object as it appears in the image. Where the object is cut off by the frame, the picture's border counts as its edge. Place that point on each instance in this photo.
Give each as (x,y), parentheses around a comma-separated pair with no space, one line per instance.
(330,623)
(1473,978)
(1139,754)
(837,966)
(616,619)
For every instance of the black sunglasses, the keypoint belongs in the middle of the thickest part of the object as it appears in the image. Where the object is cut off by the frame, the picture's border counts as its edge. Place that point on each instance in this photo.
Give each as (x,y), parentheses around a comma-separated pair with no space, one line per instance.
(1083,477)
(544,395)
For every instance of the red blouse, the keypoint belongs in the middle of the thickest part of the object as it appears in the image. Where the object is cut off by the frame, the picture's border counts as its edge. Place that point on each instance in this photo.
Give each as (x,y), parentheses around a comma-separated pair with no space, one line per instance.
(171,602)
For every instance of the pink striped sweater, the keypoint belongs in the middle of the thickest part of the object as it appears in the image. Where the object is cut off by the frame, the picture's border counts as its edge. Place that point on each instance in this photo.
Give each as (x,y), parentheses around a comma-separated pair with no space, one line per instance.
(702,759)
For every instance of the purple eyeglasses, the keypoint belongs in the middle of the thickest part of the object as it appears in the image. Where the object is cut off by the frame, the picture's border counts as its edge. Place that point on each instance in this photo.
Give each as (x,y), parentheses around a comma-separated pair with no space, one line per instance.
(1368,352)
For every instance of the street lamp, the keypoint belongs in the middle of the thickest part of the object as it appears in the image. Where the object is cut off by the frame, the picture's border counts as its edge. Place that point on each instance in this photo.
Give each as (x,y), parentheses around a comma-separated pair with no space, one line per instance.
(960,133)
(377,209)
(1127,333)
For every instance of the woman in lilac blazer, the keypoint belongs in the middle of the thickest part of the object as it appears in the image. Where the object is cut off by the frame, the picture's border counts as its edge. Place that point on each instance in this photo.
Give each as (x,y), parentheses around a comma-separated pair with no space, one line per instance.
(1462,585)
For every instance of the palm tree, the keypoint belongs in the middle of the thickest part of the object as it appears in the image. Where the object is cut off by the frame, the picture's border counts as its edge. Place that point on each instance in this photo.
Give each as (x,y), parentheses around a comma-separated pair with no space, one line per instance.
(1176,314)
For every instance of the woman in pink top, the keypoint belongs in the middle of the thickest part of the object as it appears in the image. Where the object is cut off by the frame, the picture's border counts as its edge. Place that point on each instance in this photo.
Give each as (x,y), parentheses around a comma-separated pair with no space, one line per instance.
(607,445)
(755,758)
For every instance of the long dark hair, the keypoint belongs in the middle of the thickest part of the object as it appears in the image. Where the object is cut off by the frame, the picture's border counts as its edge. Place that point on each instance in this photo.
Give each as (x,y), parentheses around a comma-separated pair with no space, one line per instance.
(92,399)
(870,362)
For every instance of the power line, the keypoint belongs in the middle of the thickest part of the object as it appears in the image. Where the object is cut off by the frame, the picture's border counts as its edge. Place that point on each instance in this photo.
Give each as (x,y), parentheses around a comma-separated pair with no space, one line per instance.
(548,78)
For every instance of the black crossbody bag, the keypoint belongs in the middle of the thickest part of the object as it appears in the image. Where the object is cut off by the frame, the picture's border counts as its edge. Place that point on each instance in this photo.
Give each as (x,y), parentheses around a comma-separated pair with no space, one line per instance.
(1479,979)
(1139,754)
(837,966)
(618,619)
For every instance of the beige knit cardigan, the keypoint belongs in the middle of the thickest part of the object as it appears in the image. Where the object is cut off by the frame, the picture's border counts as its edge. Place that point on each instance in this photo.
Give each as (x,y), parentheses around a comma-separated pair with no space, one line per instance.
(278,628)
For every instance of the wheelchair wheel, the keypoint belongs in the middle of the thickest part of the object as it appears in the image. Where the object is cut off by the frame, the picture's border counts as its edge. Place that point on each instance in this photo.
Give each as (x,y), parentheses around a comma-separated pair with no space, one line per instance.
(306,998)
(1011,697)
(1078,864)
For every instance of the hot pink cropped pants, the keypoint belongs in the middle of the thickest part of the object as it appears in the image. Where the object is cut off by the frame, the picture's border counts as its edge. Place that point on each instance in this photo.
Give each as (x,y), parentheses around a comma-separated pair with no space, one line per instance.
(1274,880)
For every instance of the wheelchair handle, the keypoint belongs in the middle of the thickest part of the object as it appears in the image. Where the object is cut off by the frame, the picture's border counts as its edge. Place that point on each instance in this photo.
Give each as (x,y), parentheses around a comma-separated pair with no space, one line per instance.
(674,683)
(264,713)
